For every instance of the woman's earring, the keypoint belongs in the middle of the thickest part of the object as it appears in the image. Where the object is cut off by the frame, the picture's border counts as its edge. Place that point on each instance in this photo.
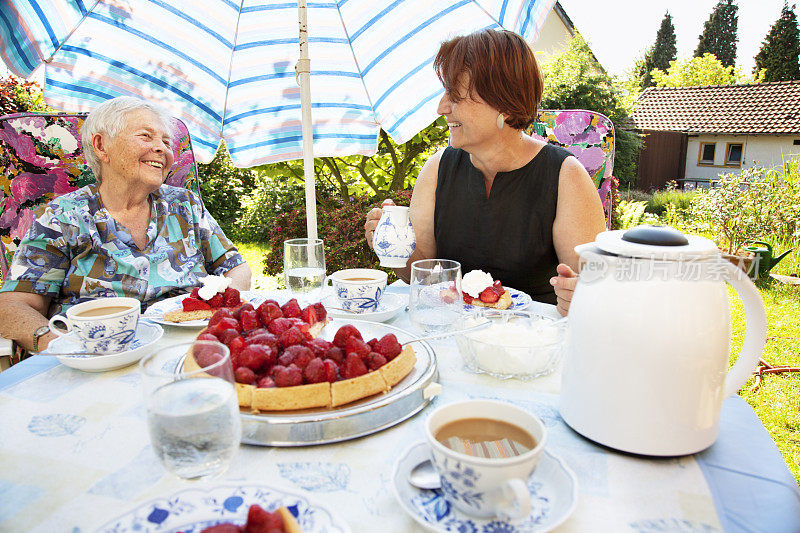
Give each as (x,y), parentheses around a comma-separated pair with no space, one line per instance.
(501,120)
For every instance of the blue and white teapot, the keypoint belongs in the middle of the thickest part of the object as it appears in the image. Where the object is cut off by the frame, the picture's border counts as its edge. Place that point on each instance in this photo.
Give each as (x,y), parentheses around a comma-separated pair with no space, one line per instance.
(394,240)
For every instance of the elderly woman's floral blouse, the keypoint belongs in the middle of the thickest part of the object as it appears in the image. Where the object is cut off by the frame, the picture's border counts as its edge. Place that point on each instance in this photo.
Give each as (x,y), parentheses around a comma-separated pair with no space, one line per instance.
(76,251)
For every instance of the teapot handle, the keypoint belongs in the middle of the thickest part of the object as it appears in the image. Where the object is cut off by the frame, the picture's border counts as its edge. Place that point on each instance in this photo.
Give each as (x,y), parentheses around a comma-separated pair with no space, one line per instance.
(755,333)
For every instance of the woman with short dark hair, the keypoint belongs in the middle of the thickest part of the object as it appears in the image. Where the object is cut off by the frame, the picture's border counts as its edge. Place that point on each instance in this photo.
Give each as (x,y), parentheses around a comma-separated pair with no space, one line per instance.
(496,199)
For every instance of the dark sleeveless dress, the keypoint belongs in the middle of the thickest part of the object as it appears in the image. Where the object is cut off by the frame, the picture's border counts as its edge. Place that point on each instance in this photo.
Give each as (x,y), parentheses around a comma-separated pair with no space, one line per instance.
(510,233)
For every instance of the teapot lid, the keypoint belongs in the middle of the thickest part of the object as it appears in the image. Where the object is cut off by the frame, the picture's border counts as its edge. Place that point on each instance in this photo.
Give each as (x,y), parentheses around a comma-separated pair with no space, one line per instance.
(657,242)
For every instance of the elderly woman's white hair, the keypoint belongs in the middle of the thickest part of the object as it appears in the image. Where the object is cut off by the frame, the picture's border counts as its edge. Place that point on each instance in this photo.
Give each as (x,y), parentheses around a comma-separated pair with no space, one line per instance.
(109,119)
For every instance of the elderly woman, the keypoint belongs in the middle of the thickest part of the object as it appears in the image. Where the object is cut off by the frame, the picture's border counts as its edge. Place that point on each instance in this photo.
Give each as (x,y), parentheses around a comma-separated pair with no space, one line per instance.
(128,234)
(497,199)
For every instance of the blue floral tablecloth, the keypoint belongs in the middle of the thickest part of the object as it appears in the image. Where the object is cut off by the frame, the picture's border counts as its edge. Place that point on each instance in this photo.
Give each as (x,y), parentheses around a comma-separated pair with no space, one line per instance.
(75,453)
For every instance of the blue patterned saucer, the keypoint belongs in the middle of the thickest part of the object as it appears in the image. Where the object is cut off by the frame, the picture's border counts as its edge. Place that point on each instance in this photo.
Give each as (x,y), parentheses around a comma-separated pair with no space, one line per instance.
(146,335)
(192,510)
(389,305)
(554,496)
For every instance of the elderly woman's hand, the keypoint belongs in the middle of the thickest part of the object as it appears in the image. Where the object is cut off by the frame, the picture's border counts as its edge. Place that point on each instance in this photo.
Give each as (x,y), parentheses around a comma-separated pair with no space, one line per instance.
(564,285)
(373,217)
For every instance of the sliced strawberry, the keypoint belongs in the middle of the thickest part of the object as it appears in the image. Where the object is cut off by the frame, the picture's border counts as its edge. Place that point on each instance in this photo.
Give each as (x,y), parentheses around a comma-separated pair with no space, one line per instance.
(291,337)
(261,521)
(356,345)
(353,367)
(291,309)
(467,298)
(388,346)
(331,370)
(346,331)
(229,323)
(241,308)
(225,336)
(249,320)
(290,376)
(322,313)
(257,357)
(266,382)
(489,296)
(279,325)
(375,361)
(216,301)
(218,315)
(272,372)
(309,315)
(335,354)
(319,347)
(314,372)
(267,339)
(269,311)
(245,375)
(236,345)
(230,297)
(207,337)
(195,293)
(192,304)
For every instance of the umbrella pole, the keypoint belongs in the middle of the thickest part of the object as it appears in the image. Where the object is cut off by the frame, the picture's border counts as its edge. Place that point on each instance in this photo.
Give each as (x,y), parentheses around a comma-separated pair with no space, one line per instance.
(303,70)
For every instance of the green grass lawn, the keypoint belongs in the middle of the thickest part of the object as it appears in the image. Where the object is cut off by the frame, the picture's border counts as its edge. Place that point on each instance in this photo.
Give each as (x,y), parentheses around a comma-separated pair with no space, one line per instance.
(776,401)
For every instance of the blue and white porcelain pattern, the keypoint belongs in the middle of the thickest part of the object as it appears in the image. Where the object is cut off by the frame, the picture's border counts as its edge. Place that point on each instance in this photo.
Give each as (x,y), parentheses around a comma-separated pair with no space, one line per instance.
(108,334)
(519,300)
(194,509)
(146,334)
(359,299)
(394,240)
(388,307)
(553,487)
(156,312)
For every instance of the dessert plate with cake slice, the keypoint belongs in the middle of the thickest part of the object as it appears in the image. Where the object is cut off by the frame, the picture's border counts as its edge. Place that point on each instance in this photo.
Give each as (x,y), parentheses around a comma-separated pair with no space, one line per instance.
(170,311)
(517,300)
(194,509)
(480,290)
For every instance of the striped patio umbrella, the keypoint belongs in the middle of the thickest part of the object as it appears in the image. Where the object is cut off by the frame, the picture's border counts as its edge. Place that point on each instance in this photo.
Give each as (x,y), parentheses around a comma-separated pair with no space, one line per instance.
(227,67)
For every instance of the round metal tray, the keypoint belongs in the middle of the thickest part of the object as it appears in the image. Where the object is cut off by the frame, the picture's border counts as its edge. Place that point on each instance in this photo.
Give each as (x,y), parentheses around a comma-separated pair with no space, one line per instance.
(325,425)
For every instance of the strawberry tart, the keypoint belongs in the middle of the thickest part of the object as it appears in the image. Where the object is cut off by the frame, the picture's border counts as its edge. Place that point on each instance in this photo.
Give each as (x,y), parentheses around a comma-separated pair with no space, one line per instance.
(280,363)
(215,293)
(481,290)
(280,520)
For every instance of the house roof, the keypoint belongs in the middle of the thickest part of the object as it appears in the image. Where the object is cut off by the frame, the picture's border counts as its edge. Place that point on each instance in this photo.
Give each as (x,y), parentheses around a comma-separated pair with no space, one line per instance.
(747,109)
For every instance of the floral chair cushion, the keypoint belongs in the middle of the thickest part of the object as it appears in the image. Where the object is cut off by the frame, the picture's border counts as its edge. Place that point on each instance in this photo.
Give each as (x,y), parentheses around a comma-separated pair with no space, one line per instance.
(590,138)
(41,157)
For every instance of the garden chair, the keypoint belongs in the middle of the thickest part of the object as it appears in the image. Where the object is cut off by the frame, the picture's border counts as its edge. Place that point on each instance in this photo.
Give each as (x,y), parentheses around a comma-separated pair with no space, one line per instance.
(590,138)
(41,157)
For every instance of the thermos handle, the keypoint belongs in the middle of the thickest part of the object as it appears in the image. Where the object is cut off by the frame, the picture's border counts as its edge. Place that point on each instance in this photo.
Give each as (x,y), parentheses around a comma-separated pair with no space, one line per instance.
(755,335)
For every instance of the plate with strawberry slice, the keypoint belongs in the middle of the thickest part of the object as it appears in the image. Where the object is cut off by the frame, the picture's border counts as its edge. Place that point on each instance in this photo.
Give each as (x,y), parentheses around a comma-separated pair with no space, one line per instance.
(190,310)
(480,290)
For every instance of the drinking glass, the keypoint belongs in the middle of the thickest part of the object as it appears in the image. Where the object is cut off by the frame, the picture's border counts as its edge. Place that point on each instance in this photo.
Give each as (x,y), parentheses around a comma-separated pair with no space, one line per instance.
(304,268)
(435,303)
(192,408)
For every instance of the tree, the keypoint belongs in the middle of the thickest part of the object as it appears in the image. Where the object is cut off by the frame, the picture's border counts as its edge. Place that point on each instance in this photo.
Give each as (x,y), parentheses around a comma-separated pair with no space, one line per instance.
(719,33)
(701,71)
(779,56)
(661,53)
(574,80)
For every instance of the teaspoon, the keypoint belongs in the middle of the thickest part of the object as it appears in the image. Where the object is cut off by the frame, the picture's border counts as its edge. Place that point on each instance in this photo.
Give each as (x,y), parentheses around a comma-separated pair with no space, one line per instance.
(425,476)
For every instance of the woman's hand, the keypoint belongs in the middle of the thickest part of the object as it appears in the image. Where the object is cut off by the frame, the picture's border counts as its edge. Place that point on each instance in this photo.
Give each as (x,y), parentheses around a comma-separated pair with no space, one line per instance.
(371,223)
(564,286)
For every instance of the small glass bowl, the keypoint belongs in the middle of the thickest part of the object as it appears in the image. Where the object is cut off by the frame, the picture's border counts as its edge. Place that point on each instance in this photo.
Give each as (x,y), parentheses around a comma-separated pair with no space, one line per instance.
(518,344)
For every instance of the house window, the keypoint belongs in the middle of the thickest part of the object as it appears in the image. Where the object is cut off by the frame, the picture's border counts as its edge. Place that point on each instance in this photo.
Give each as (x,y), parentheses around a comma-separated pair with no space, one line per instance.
(706,156)
(733,155)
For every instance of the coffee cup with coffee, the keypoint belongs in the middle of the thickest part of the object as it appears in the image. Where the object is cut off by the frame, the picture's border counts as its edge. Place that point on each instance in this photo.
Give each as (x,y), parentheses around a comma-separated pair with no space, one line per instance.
(484,452)
(104,325)
(359,289)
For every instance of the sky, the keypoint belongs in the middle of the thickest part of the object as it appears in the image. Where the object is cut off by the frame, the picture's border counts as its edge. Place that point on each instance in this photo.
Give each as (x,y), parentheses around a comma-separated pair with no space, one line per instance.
(620,31)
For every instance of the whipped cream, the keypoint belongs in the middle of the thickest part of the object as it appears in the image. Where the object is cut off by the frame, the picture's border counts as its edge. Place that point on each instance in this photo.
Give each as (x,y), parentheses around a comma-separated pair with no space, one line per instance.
(475,281)
(212,285)
(512,348)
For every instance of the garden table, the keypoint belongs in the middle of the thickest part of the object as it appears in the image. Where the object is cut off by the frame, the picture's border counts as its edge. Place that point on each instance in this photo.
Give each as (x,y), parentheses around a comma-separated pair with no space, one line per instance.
(75,454)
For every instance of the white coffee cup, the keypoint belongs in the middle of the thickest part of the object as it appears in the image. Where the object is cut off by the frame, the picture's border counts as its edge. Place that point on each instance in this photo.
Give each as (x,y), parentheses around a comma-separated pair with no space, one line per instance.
(104,325)
(484,486)
(359,289)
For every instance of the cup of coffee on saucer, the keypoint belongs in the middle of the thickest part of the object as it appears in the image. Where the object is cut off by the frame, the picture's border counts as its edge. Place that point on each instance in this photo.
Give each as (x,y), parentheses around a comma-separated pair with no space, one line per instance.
(484,452)
(359,290)
(104,325)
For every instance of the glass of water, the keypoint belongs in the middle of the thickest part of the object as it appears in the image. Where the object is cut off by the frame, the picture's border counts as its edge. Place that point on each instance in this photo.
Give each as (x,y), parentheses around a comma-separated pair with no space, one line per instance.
(304,269)
(192,408)
(435,303)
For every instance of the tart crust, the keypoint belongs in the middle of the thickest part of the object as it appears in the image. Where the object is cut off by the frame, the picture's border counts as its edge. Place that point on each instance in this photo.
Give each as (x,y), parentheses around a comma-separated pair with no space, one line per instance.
(322,394)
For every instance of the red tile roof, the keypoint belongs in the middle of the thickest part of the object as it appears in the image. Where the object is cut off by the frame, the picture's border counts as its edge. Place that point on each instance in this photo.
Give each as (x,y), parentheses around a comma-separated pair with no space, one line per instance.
(758,108)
